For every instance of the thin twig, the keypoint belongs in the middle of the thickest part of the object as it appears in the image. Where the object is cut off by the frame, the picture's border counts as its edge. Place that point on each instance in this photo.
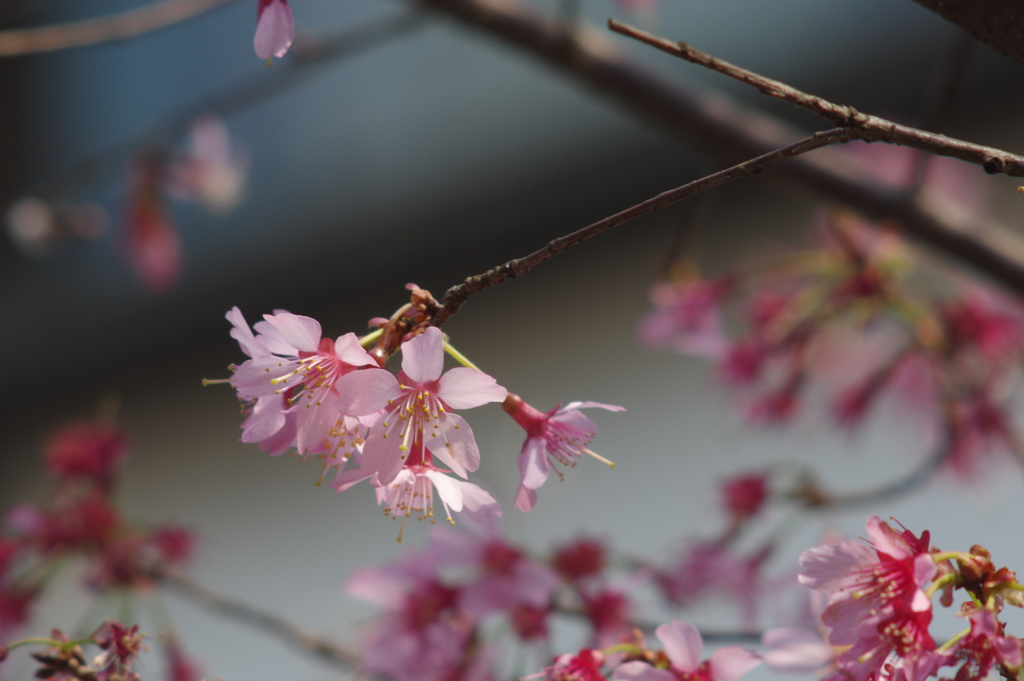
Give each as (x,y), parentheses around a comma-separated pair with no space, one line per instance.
(869,128)
(306,54)
(243,613)
(942,96)
(457,295)
(817,499)
(121,26)
(733,131)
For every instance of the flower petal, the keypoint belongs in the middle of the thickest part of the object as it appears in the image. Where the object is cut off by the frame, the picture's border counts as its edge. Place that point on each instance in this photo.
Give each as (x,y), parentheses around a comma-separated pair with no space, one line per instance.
(732,662)
(361,393)
(454,444)
(302,333)
(423,356)
(349,351)
(243,334)
(275,30)
(381,456)
(682,642)
(266,419)
(465,388)
(591,405)
(533,463)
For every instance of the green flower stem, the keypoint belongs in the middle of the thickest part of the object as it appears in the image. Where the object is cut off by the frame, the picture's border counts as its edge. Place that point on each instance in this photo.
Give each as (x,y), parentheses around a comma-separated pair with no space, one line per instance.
(942,581)
(953,641)
(367,340)
(952,555)
(49,642)
(459,357)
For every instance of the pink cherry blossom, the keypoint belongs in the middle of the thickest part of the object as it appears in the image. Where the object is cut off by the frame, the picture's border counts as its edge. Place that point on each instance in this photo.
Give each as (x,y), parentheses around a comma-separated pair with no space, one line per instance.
(293,372)
(866,584)
(559,436)
(412,491)
(417,408)
(986,646)
(683,646)
(275,29)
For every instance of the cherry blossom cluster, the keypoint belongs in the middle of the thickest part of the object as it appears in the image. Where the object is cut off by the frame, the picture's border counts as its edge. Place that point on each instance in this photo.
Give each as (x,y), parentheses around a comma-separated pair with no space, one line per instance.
(855,319)
(82,522)
(64,659)
(443,603)
(332,399)
(879,609)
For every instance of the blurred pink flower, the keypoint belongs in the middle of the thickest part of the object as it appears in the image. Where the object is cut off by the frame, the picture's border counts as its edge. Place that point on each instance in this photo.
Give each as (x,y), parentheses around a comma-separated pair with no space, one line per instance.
(686,317)
(150,239)
(744,495)
(684,646)
(212,172)
(867,583)
(986,646)
(275,29)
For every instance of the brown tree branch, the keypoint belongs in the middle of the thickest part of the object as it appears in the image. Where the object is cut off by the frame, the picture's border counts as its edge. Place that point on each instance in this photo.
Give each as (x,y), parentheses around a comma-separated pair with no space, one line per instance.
(728,130)
(457,295)
(243,613)
(103,29)
(867,127)
(997,23)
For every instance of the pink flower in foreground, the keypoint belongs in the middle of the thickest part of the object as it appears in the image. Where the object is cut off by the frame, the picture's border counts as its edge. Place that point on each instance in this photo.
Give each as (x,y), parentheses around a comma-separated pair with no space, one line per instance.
(683,646)
(417,408)
(866,584)
(412,491)
(561,435)
(275,29)
(293,370)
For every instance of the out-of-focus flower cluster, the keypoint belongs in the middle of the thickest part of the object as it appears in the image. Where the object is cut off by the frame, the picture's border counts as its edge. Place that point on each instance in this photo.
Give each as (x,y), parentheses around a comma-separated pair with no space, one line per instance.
(444,604)
(331,398)
(65,659)
(82,522)
(857,320)
(879,593)
(210,171)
